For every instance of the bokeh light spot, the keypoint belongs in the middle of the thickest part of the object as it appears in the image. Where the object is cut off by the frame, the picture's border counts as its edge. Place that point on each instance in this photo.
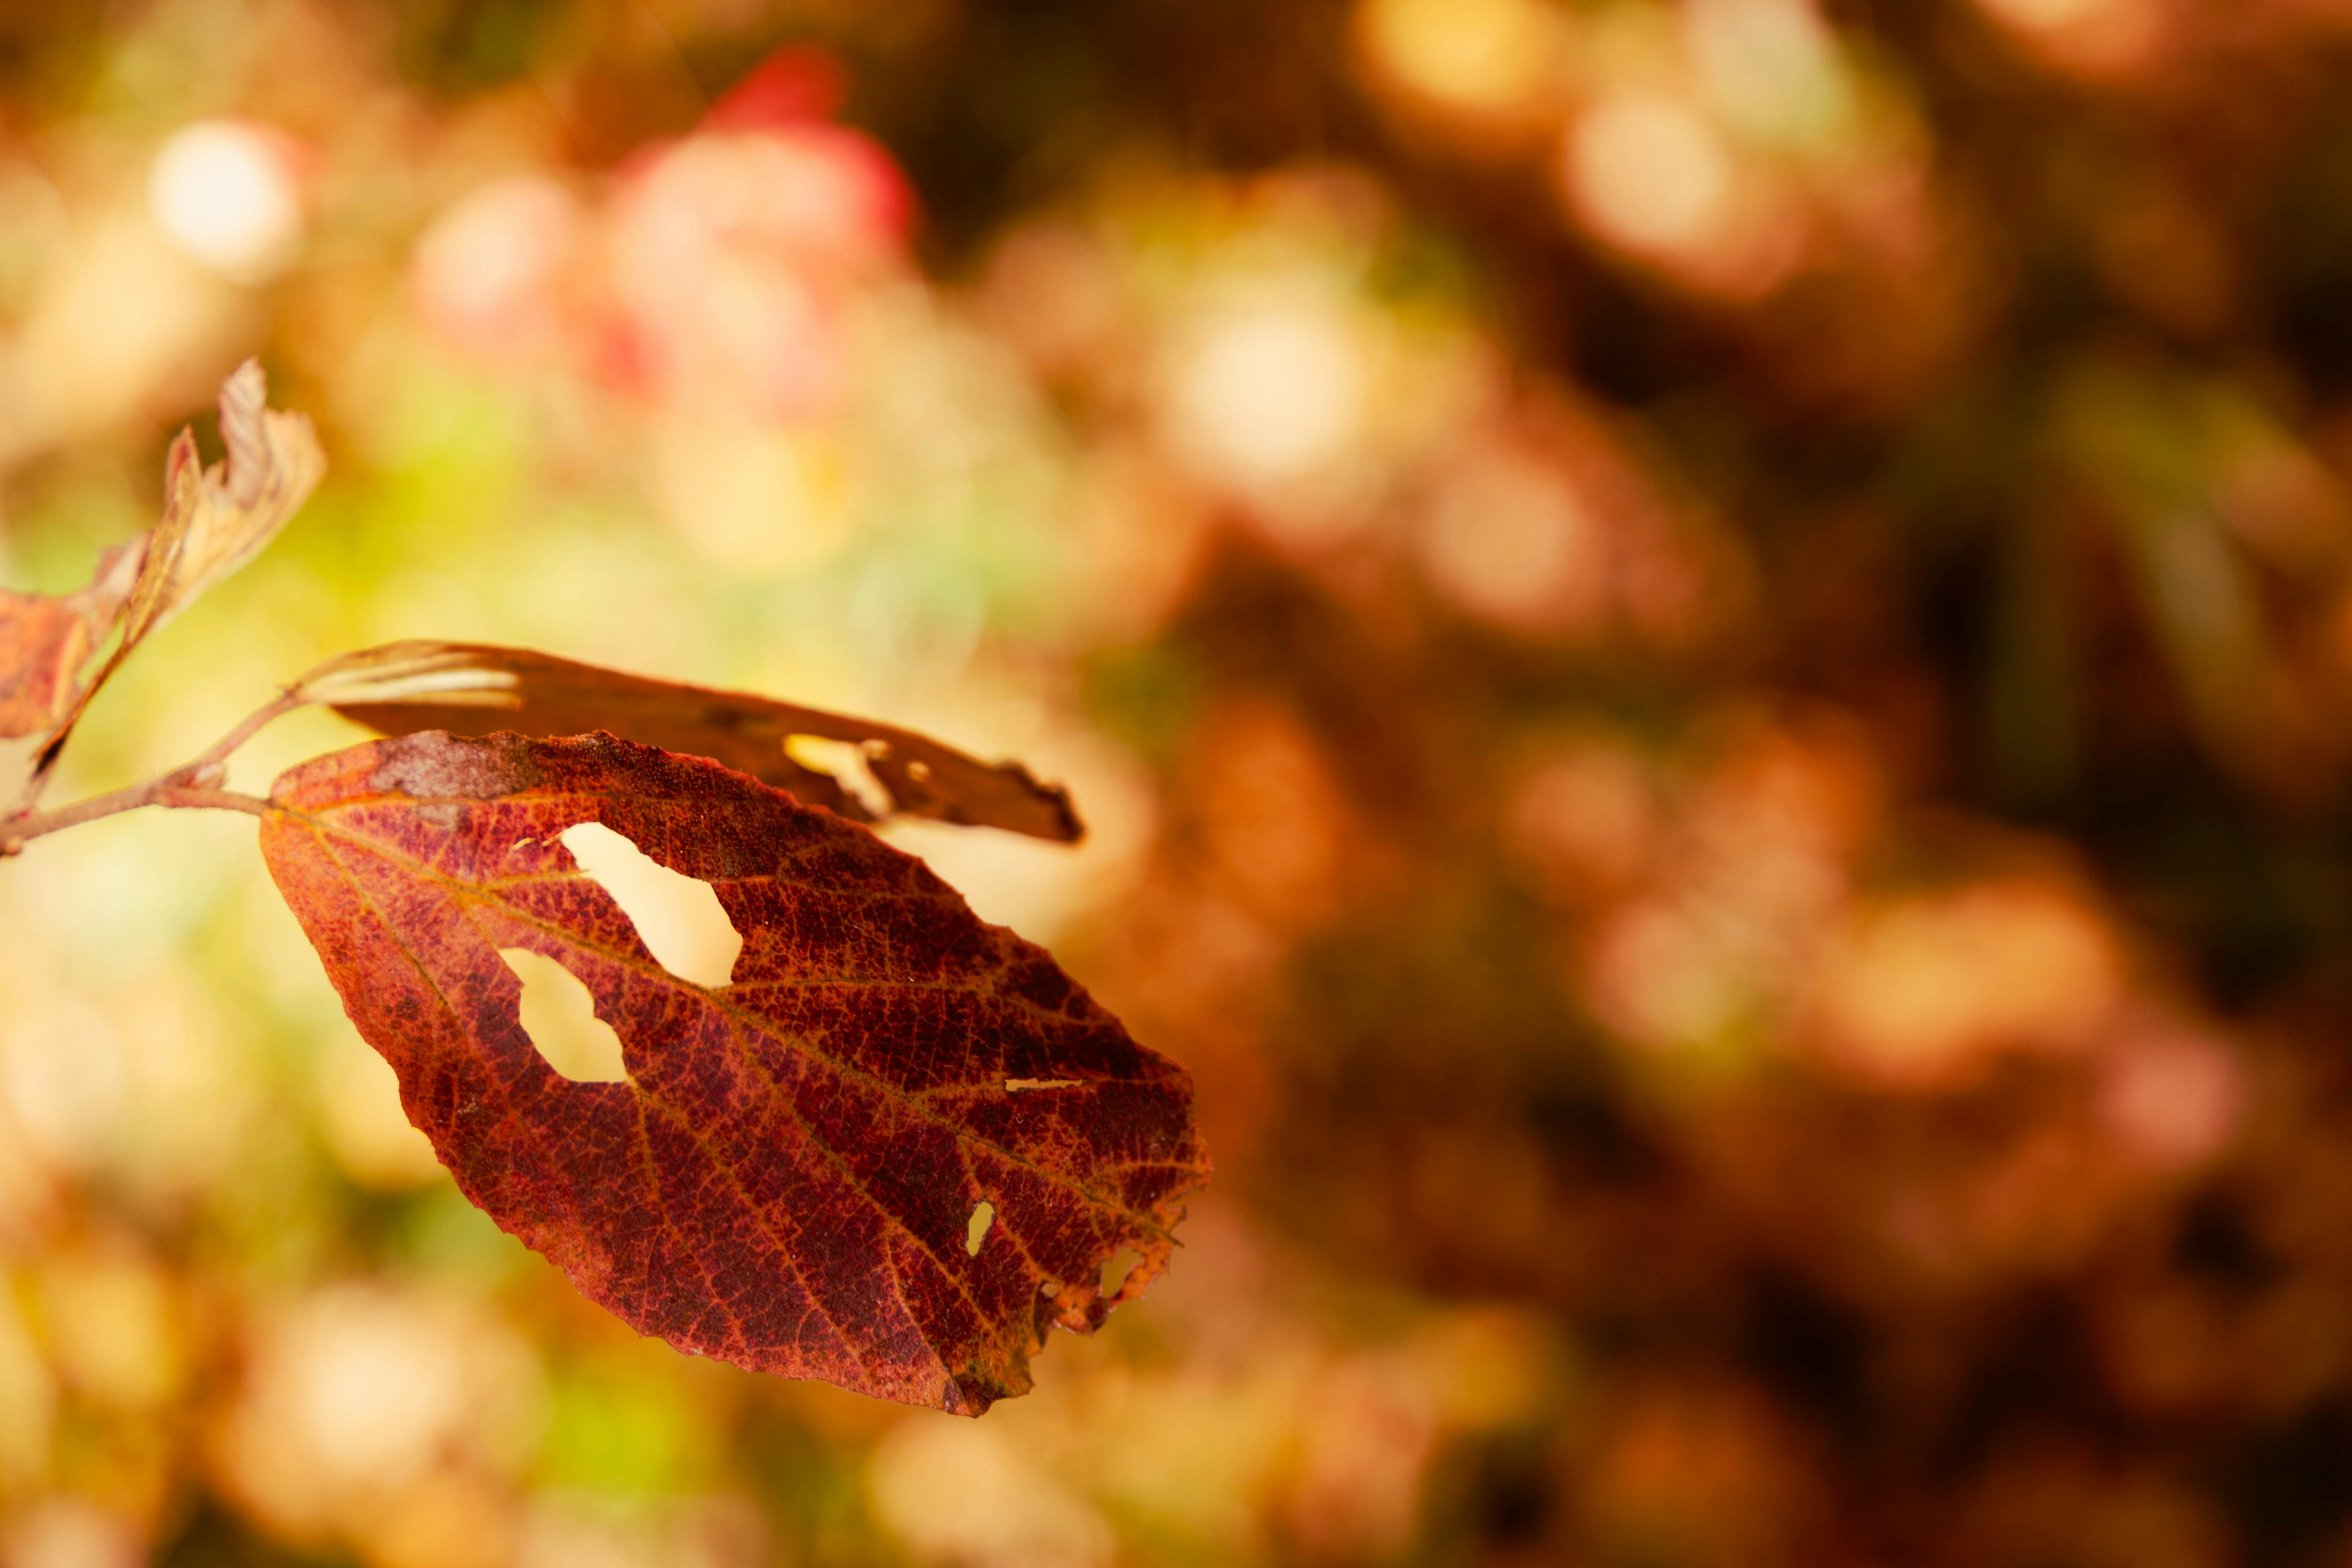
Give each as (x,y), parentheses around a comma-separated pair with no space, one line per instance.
(1487,56)
(1267,391)
(224,195)
(1650,173)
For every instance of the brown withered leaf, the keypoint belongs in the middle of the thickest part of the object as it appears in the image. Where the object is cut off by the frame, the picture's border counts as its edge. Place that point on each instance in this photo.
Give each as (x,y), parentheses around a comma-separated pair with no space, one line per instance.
(790,1178)
(48,642)
(217,518)
(215,521)
(474,688)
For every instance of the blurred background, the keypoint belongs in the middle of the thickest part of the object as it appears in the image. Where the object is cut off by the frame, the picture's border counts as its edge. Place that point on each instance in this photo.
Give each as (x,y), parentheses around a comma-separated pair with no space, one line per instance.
(1709,647)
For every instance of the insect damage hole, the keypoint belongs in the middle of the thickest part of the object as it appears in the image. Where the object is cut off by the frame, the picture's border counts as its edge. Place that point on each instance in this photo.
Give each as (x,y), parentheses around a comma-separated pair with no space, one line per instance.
(560,1016)
(975,1229)
(1116,1269)
(679,917)
(848,764)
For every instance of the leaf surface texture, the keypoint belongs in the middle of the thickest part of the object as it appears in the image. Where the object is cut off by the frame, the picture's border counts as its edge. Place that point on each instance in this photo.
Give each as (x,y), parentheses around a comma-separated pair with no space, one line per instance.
(787,1179)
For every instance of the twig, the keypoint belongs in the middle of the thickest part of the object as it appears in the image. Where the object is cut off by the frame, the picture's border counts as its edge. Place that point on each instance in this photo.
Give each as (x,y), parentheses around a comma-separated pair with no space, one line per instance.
(195,785)
(206,770)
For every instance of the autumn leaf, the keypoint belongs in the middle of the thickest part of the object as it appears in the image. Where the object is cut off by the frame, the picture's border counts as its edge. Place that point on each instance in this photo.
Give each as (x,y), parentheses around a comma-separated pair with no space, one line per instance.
(47,641)
(473,689)
(217,518)
(215,521)
(892,1150)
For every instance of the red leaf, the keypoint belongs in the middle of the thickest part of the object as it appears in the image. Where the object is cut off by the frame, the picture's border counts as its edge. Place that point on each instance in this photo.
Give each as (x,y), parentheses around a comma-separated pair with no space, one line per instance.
(788,1178)
(46,640)
(795,86)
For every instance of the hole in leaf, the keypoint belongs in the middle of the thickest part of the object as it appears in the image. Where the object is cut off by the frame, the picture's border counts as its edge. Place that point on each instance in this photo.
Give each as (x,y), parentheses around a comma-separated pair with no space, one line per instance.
(845,761)
(679,918)
(975,1229)
(1116,1268)
(560,1016)
(1015,1085)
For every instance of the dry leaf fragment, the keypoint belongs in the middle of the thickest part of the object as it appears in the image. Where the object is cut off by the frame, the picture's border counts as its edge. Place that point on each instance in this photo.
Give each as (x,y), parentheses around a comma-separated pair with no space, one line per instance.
(788,1176)
(215,521)
(217,518)
(474,688)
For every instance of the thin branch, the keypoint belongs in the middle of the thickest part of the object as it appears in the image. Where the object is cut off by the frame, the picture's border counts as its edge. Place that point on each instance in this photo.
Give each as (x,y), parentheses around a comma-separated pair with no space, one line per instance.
(206,770)
(195,785)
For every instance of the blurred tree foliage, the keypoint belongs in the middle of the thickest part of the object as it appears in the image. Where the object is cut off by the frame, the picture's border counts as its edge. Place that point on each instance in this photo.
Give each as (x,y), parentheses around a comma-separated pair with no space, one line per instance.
(1718,637)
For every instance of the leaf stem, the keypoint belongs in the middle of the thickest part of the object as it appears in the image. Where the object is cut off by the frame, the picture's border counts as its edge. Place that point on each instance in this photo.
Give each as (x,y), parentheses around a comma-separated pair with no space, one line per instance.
(195,785)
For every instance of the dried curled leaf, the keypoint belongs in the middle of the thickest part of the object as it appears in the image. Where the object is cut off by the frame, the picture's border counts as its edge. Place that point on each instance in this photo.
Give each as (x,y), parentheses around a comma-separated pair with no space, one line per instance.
(48,641)
(215,521)
(217,518)
(791,1177)
(474,688)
